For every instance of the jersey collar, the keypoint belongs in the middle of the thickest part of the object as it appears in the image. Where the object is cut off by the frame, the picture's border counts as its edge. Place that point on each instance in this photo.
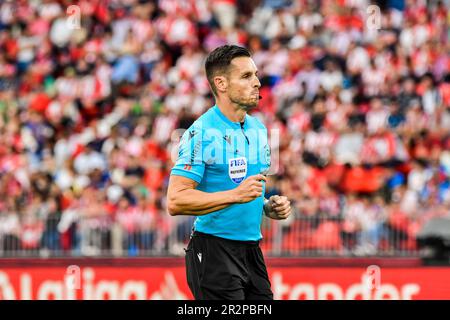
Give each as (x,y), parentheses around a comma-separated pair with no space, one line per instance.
(228,121)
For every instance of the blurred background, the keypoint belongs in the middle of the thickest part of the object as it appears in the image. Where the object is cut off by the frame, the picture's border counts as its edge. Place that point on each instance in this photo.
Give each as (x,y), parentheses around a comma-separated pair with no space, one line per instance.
(91,97)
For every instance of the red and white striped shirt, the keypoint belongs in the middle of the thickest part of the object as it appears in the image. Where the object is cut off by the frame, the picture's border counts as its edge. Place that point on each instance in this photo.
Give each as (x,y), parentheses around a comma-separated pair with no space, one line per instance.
(320,143)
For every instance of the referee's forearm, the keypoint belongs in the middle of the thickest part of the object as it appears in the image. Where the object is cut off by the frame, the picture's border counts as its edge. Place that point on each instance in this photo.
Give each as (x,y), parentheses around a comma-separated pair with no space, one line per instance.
(195,202)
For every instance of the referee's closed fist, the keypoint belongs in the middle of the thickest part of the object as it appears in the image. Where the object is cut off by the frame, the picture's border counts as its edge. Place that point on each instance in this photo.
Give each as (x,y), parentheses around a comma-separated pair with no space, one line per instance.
(280,207)
(250,189)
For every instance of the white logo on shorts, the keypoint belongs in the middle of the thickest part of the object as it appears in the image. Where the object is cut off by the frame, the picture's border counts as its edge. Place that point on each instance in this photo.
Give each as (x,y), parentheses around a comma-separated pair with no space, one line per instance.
(237,169)
(199,255)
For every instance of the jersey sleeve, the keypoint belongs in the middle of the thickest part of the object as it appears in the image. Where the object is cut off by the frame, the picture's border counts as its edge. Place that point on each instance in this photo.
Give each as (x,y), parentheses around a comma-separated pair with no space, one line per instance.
(190,162)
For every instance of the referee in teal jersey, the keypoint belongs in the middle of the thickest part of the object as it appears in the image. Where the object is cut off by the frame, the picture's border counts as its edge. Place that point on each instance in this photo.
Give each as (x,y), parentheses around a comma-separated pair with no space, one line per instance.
(219,178)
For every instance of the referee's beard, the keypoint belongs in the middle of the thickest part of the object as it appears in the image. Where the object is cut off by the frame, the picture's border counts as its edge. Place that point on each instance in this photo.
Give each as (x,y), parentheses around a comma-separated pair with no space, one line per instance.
(246,105)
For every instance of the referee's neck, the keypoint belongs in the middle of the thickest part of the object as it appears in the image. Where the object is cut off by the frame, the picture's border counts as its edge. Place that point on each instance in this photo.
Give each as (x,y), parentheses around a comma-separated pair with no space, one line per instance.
(233,112)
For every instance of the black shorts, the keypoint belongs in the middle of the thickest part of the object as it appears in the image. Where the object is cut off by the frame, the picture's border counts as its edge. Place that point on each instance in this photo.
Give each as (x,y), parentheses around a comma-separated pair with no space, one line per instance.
(222,269)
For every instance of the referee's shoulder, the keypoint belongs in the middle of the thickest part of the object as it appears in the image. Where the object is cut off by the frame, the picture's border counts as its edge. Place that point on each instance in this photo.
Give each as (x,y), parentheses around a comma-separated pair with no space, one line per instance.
(205,121)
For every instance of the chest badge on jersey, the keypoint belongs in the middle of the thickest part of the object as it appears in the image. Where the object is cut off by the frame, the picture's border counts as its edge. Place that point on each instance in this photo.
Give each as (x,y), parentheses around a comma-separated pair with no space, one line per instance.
(237,169)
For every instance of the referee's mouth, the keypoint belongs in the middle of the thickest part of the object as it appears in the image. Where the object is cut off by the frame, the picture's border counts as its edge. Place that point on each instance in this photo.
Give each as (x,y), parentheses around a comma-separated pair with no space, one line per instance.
(256,93)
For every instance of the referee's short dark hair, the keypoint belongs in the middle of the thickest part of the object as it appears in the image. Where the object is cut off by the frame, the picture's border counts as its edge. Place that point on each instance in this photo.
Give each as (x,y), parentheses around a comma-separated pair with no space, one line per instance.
(219,60)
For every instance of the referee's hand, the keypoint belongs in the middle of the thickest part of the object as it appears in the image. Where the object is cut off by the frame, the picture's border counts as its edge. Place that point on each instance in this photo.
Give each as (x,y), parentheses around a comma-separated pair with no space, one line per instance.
(250,189)
(279,207)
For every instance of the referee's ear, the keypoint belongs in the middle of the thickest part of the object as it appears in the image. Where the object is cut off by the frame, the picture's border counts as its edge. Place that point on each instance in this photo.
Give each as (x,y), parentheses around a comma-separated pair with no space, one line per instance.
(221,84)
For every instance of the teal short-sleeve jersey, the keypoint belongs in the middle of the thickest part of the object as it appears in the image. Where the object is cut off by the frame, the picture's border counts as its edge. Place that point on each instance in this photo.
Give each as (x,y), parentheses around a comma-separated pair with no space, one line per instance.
(219,154)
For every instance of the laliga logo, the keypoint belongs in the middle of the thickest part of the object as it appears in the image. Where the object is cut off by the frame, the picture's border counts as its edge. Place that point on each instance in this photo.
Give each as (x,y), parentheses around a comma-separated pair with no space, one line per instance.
(82,284)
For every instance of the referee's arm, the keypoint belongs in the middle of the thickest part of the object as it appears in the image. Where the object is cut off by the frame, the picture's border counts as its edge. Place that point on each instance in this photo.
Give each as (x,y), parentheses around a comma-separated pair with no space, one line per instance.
(184,199)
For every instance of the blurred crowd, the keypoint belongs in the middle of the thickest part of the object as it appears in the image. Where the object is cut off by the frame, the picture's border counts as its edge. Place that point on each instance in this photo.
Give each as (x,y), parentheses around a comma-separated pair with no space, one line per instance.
(91,97)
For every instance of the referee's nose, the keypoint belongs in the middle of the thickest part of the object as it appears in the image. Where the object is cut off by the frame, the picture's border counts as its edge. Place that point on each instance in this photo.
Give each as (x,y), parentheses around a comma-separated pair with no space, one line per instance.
(257,83)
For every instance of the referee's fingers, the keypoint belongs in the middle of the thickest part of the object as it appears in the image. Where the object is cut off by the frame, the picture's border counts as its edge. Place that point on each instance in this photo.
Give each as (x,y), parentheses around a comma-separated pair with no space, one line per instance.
(254,182)
(284,215)
(282,207)
(257,187)
(279,200)
(260,177)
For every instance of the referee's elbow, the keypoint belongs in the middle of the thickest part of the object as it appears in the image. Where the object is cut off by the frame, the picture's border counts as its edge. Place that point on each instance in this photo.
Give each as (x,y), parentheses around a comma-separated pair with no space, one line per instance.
(172,207)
